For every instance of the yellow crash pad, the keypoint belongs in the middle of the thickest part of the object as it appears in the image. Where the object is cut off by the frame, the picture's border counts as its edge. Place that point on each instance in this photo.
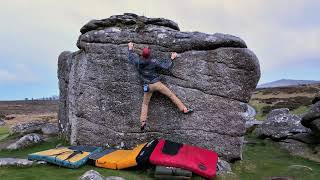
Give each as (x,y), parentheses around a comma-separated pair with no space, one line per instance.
(120,159)
(62,154)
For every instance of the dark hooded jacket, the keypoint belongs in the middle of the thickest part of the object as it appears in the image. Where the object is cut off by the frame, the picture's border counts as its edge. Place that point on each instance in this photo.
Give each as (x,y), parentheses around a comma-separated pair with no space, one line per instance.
(147,67)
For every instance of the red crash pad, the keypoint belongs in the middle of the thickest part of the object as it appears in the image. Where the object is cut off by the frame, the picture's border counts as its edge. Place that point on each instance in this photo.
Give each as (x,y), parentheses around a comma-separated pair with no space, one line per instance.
(200,161)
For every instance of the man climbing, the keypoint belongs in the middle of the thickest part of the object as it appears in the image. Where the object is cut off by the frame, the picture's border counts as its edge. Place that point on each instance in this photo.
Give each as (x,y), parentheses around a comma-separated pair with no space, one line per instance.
(146,67)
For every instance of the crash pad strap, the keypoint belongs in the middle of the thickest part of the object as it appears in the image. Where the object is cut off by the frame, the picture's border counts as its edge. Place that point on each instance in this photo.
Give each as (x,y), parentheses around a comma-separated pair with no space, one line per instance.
(171,148)
(142,158)
(83,148)
(73,154)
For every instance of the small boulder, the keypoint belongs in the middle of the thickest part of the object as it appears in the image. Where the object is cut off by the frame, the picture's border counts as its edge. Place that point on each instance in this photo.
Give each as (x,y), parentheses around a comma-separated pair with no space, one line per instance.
(280,124)
(115,178)
(298,148)
(35,127)
(316,98)
(9,117)
(91,175)
(15,162)
(41,162)
(308,138)
(277,112)
(251,125)
(223,167)
(312,118)
(25,141)
(2,123)
(279,178)
(50,129)
(25,128)
(299,168)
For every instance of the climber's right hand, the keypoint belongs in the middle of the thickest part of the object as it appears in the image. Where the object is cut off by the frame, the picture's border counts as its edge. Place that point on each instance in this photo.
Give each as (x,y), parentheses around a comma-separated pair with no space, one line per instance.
(130,45)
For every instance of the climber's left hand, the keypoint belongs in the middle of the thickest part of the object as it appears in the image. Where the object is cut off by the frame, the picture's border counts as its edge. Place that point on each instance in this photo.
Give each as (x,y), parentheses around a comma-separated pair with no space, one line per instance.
(173,55)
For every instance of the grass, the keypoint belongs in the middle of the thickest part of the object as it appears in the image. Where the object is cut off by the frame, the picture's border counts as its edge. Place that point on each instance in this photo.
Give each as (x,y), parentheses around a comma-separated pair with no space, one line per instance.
(52,172)
(301,110)
(49,172)
(260,116)
(266,159)
(4,132)
(258,106)
(261,160)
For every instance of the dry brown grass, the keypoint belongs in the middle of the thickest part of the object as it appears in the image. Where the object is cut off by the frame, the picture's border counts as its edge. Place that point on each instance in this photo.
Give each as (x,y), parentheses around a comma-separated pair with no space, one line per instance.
(28,107)
(296,98)
(24,118)
(28,111)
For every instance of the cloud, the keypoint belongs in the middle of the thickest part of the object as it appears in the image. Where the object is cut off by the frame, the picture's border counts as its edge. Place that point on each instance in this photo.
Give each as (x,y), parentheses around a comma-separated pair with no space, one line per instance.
(20,73)
(33,32)
(6,76)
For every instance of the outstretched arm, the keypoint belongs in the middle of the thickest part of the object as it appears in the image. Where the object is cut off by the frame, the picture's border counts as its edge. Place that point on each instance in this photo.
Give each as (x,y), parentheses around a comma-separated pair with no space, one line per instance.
(132,58)
(166,63)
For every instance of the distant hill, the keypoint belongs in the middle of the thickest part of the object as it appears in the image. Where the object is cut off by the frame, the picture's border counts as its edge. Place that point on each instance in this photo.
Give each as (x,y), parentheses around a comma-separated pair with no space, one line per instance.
(287,82)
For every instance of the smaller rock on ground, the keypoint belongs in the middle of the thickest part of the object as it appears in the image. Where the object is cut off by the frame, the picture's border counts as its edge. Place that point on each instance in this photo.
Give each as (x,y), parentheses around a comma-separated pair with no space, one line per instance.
(35,127)
(15,162)
(298,148)
(280,124)
(94,175)
(299,167)
(2,123)
(308,138)
(251,125)
(312,118)
(279,178)
(223,167)
(25,141)
(91,175)
(50,129)
(114,178)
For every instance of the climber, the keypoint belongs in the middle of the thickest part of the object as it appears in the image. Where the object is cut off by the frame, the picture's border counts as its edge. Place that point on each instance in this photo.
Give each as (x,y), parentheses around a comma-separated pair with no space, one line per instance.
(146,67)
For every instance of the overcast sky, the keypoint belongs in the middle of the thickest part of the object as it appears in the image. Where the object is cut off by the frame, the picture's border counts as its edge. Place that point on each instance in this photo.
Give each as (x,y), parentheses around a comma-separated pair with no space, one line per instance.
(285,35)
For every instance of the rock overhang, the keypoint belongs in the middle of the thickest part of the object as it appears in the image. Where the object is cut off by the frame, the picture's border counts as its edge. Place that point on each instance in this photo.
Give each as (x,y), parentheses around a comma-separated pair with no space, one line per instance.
(165,33)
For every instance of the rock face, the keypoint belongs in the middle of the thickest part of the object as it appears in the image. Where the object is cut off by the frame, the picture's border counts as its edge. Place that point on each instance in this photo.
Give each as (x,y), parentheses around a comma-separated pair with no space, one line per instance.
(280,124)
(101,93)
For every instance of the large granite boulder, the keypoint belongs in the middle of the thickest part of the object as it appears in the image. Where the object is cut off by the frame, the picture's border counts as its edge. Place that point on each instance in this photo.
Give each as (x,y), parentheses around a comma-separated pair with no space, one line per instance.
(280,124)
(101,93)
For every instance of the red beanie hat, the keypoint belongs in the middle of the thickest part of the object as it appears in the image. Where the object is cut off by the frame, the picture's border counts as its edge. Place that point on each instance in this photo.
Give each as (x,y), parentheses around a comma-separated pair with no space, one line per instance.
(146,53)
